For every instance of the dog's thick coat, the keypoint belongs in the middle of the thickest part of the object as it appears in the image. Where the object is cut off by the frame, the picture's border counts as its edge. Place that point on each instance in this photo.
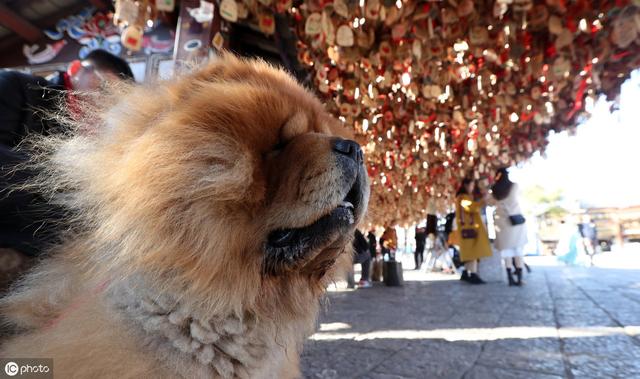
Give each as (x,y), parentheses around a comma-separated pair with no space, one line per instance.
(175,191)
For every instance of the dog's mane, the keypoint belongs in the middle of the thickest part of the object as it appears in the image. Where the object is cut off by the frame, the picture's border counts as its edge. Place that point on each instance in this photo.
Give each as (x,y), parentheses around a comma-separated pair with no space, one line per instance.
(175,193)
(115,227)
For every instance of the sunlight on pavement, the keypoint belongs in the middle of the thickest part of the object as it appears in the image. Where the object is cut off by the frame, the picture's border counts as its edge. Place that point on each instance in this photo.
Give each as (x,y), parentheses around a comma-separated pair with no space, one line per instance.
(567,321)
(482,334)
(332,326)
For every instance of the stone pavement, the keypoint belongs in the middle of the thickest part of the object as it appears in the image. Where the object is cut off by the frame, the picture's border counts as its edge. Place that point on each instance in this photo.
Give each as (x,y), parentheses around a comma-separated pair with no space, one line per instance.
(566,322)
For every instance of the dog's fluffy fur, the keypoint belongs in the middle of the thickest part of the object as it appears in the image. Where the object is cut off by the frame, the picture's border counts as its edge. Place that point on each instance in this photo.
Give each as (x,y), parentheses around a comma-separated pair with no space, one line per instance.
(174,191)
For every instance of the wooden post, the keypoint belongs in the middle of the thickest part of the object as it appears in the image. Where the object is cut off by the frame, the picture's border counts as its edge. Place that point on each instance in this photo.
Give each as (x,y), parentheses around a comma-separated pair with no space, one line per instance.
(619,232)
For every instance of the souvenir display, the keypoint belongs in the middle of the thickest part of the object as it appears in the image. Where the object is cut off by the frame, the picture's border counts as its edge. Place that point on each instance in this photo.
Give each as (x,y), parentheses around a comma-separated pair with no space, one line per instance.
(440,90)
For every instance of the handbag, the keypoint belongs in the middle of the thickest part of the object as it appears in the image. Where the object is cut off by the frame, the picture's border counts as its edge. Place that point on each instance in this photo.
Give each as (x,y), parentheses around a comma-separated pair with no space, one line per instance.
(517,219)
(376,274)
(467,233)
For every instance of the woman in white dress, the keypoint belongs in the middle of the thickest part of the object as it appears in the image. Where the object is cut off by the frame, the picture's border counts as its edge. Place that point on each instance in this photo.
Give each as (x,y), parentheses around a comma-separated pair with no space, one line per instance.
(511,230)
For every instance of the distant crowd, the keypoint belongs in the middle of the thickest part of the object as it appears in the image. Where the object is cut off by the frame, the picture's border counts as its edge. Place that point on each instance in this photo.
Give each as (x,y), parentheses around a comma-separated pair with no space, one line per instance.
(459,240)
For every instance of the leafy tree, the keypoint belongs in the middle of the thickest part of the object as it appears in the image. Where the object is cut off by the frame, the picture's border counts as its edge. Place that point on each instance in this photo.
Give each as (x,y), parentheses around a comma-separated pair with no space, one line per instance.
(545,202)
(556,211)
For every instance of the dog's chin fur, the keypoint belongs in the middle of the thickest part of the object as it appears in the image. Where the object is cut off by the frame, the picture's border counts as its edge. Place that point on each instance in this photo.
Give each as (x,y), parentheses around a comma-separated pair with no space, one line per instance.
(173,190)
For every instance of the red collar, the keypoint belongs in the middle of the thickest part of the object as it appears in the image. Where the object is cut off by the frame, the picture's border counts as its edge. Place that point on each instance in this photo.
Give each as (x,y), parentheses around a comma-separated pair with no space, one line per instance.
(72,101)
(66,81)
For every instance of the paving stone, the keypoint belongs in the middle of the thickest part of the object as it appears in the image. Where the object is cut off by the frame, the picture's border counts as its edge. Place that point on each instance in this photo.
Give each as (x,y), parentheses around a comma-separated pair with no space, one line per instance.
(532,354)
(625,316)
(632,295)
(432,359)
(321,359)
(621,346)
(473,319)
(527,317)
(582,313)
(597,367)
(377,375)
(484,372)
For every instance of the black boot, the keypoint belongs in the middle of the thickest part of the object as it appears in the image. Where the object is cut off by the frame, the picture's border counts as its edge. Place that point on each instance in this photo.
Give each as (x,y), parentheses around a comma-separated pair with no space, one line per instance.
(465,276)
(510,278)
(519,277)
(475,279)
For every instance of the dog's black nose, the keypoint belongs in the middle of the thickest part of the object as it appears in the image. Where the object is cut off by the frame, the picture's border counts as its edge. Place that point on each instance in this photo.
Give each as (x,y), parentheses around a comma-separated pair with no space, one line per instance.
(349,148)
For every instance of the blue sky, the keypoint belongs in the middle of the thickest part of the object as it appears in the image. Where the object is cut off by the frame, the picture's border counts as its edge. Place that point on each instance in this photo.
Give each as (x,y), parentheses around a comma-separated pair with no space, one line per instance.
(599,165)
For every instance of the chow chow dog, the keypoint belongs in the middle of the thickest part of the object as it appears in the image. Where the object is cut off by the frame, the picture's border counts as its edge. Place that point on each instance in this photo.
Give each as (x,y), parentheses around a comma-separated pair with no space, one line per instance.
(208,215)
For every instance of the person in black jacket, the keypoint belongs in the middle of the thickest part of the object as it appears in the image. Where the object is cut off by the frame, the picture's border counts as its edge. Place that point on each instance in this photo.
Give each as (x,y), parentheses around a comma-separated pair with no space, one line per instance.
(371,237)
(28,223)
(362,256)
(26,100)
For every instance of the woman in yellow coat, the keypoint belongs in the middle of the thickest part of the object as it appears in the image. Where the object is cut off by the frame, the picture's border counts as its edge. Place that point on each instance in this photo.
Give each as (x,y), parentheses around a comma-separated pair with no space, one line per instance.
(471,235)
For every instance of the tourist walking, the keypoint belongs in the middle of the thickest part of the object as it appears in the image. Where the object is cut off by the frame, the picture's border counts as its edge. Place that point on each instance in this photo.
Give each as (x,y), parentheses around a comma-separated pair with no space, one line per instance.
(589,235)
(511,230)
(569,249)
(376,261)
(471,234)
(363,257)
(421,241)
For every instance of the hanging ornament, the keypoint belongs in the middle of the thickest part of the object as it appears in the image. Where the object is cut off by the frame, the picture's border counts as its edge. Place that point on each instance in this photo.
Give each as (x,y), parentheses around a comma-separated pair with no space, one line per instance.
(372,9)
(433,89)
(127,12)
(328,30)
(229,10)
(564,39)
(341,8)
(555,25)
(204,13)
(165,5)
(625,30)
(344,36)
(243,11)
(218,41)
(465,8)
(478,35)
(131,37)
(267,23)
(313,25)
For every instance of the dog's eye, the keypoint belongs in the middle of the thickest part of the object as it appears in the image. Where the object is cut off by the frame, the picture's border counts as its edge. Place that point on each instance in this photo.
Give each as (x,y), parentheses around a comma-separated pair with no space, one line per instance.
(280,146)
(275,150)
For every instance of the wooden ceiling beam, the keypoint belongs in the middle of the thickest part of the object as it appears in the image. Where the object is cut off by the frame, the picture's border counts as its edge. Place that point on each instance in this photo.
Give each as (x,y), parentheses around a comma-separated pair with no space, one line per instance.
(101,4)
(19,25)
